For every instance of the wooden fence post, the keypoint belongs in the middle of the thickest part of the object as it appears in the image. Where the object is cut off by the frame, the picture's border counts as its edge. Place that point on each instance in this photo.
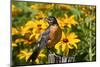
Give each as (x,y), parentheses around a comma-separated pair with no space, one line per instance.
(52,58)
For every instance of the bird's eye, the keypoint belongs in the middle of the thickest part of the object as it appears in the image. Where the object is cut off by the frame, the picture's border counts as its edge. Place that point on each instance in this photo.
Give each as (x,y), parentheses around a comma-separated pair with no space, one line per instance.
(51,19)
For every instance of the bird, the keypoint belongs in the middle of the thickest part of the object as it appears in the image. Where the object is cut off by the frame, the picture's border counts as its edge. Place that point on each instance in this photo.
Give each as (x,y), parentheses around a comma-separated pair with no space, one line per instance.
(48,39)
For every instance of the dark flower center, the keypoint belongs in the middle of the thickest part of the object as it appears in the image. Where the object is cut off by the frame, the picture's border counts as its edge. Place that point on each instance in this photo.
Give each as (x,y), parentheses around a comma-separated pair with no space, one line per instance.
(65,40)
(40,28)
(39,25)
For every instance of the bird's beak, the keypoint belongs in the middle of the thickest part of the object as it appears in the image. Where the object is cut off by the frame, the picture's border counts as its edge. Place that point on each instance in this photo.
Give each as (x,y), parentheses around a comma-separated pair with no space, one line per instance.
(46,19)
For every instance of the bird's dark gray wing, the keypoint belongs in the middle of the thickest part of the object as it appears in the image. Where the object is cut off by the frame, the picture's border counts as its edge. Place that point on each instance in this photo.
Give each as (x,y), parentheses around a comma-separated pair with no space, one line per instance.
(41,44)
(43,39)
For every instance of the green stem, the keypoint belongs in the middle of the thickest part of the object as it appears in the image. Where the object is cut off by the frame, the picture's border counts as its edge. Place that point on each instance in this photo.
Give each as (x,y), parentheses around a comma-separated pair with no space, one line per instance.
(90,46)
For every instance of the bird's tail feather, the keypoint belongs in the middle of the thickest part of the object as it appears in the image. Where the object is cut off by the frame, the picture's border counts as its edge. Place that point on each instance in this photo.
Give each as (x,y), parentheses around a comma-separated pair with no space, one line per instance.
(34,55)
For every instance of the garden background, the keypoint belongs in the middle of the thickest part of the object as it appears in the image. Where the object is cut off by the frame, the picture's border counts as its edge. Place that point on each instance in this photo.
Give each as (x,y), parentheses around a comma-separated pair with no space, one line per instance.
(78,23)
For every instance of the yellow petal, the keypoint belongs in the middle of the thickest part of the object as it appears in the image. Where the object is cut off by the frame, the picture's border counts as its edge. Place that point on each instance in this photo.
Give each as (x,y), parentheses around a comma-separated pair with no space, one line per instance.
(75,45)
(57,46)
(37,61)
(63,47)
(66,51)
(30,23)
(42,55)
(77,40)
(70,46)
(14,31)
(14,45)
(37,36)
(63,36)
(21,56)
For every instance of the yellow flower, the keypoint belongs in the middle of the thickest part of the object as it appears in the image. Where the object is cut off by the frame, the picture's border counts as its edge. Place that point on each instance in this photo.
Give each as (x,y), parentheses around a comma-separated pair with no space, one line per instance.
(15,10)
(68,41)
(66,21)
(29,24)
(62,21)
(25,41)
(93,18)
(13,6)
(27,28)
(14,44)
(35,34)
(30,31)
(46,7)
(24,30)
(24,54)
(72,40)
(40,15)
(71,21)
(42,7)
(34,7)
(14,31)
(19,40)
(37,61)
(40,57)
(39,27)
(65,7)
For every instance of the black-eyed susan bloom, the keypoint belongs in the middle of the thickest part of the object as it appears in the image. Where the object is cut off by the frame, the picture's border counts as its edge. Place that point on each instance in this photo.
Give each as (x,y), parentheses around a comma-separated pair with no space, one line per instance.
(14,31)
(67,21)
(65,7)
(42,6)
(14,44)
(39,27)
(41,57)
(15,10)
(40,15)
(68,41)
(24,54)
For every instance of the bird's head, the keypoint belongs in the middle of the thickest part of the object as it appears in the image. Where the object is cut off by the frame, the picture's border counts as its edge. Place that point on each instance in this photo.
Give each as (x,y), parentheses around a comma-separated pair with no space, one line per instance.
(51,20)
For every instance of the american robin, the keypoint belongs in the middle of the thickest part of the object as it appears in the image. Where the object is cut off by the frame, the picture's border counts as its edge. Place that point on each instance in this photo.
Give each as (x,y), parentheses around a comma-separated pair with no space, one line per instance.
(49,38)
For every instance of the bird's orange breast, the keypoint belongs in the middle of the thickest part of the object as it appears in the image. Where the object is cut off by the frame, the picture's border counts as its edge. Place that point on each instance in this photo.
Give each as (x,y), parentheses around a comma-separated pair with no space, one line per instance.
(54,35)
